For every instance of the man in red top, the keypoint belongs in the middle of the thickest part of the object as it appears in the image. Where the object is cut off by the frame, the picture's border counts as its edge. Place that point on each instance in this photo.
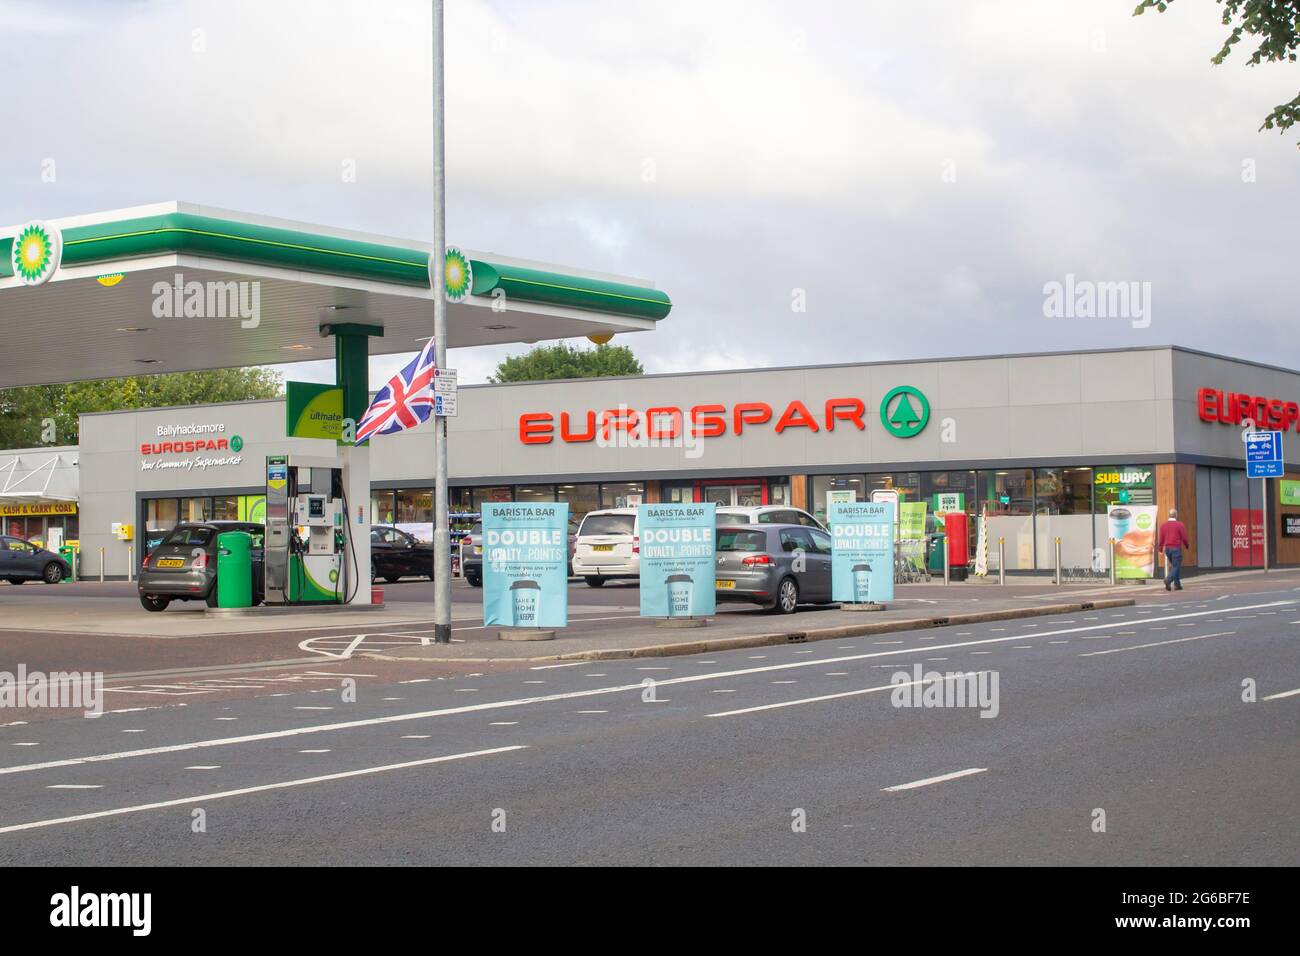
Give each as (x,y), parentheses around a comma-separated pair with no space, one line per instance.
(1172,540)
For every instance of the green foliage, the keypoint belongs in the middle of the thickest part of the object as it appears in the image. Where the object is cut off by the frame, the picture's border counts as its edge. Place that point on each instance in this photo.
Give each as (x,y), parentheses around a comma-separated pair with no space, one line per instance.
(566,361)
(1276,24)
(47,414)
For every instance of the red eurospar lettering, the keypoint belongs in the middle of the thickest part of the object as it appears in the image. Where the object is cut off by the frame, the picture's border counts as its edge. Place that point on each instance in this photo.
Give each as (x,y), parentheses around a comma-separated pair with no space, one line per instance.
(1233,408)
(667,422)
(184,447)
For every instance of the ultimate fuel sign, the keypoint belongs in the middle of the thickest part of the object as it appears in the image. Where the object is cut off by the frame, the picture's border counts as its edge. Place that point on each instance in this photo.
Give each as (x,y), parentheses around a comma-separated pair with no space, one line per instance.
(678,559)
(525,564)
(862,552)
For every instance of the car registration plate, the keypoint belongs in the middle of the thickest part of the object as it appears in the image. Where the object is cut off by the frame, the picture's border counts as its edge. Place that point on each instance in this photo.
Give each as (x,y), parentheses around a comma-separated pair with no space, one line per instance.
(602,547)
(171,562)
(726,585)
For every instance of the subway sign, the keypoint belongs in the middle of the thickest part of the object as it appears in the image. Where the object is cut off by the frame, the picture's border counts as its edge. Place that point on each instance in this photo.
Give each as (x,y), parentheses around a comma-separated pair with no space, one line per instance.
(1234,408)
(904,413)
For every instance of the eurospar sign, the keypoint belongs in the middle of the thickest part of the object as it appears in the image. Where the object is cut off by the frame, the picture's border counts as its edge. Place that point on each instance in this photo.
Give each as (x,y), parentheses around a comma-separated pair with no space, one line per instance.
(904,413)
(201,446)
(1236,408)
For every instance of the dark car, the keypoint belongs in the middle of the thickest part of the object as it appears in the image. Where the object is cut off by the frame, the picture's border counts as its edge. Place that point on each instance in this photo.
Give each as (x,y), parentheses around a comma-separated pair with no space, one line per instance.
(778,566)
(183,567)
(23,561)
(472,553)
(394,554)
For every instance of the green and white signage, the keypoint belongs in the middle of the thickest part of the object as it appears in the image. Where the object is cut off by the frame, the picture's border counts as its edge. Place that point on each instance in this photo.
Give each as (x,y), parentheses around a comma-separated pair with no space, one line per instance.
(458,273)
(1289,492)
(905,411)
(313,411)
(36,253)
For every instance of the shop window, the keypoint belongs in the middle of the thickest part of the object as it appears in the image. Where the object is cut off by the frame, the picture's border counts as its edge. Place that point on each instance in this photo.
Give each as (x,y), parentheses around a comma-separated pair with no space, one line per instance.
(821,484)
(581,499)
(535,493)
(682,492)
(1063,502)
(196,509)
(615,494)
(383,507)
(414,507)
(225,508)
(499,493)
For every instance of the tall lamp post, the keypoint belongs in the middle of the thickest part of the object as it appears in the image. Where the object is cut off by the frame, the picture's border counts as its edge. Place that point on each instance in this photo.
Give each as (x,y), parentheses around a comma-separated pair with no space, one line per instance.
(438,275)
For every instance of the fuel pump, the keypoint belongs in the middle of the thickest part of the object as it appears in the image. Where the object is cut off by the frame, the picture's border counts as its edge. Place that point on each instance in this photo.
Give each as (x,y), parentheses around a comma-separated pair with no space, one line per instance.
(305,548)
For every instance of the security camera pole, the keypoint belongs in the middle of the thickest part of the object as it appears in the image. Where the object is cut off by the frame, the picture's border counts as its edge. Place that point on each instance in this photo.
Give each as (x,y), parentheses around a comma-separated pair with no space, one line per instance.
(437,273)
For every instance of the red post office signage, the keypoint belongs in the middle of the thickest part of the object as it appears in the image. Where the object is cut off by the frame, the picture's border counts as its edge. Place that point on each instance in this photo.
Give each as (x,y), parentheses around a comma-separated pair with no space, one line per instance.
(1235,408)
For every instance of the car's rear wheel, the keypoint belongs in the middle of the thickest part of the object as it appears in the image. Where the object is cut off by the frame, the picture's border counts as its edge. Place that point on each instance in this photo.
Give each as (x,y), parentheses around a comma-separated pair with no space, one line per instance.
(53,573)
(151,603)
(787,597)
(474,581)
(595,582)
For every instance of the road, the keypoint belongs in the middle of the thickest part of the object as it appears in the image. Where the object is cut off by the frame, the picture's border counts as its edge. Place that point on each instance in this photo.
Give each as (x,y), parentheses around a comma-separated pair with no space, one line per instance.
(1136,713)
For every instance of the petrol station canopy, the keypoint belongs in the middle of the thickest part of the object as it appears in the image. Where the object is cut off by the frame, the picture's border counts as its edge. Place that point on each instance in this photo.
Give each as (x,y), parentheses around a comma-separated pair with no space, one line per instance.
(98,315)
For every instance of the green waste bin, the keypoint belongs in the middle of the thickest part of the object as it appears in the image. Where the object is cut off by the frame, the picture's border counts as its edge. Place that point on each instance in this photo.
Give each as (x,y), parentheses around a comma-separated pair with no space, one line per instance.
(234,569)
(936,554)
(68,553)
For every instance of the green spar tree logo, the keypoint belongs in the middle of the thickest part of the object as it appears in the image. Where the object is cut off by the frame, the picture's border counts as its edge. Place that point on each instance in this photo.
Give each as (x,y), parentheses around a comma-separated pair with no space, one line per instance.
(899,412)
(236,443)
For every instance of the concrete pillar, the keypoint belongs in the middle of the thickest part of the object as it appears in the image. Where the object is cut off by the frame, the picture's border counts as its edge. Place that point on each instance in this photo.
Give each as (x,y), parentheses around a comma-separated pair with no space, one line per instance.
(356,485)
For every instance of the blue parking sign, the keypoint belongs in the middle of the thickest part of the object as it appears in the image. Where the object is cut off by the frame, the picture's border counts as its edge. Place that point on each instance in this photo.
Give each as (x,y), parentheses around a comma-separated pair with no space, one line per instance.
(1264,455)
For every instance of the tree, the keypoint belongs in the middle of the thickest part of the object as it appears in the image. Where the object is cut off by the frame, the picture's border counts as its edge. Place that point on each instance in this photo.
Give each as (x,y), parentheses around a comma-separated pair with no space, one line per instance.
(47,414)
(1277,25)
(567,361)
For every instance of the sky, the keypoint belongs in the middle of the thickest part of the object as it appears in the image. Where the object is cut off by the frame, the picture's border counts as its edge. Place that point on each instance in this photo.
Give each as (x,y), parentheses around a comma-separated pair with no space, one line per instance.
(833,181)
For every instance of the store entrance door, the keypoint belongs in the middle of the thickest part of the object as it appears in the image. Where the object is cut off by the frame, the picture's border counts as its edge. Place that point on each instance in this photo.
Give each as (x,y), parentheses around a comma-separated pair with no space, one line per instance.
(747,494)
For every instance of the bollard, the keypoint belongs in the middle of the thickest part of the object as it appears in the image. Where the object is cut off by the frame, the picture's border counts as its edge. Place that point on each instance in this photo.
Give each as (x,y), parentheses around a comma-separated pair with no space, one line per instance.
(1002,560)
(1112,561)
(945,559)
(101,565)
(130,562)
(1057,545)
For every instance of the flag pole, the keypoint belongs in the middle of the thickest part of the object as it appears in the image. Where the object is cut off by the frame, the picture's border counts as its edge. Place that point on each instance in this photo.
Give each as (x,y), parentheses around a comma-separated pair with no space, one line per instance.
(441,529)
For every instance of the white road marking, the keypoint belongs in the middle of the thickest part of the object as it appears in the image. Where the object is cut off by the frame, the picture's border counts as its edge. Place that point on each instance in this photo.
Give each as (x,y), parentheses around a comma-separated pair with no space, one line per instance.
(591,712)
(133,730)
(416,736)
(1138,647)
(817,700)
(284,785)
(75,786)
(313,751)
(209,766)
(1022,647)
(932,780)
(27,743)
(724,690)
(1285,693)
(551,667)
(548,698)
(306,707)
(503,723)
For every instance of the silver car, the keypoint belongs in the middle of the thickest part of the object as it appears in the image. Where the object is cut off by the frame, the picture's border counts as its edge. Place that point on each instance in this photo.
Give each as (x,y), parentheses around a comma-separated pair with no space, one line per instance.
(778,566)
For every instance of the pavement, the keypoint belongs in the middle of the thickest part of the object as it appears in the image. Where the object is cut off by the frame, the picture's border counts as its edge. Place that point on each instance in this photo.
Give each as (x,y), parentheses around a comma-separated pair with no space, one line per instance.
(1155,734)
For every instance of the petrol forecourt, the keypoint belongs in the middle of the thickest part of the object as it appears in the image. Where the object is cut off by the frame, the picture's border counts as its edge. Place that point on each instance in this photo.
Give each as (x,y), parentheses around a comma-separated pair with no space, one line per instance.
(178,287)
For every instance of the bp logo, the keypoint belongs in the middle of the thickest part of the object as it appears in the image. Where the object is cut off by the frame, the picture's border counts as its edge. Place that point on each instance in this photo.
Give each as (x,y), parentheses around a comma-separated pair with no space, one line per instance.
(36,253)
(904,411)
(236,443)
(334,575)
(458,273)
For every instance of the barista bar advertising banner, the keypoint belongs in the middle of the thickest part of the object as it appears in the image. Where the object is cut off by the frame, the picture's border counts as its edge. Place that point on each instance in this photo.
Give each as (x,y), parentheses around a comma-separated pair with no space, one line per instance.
(678,559)
(1134,529)
(862,552)
(525,564)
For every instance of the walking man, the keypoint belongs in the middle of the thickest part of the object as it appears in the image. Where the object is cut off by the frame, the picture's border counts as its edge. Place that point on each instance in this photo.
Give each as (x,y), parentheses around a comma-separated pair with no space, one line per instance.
(1172,540)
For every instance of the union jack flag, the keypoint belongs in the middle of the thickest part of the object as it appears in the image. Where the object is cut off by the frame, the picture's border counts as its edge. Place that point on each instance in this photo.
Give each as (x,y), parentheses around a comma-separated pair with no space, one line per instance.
(406,401)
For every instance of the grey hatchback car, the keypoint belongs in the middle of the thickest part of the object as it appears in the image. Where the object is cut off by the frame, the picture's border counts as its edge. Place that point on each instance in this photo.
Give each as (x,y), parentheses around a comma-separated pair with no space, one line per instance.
(778,566)
(183,567)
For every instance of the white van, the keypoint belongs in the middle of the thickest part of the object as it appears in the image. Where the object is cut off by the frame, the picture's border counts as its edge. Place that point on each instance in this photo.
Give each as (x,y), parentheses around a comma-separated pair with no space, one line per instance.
(608,546)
